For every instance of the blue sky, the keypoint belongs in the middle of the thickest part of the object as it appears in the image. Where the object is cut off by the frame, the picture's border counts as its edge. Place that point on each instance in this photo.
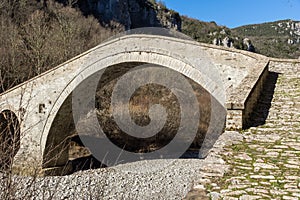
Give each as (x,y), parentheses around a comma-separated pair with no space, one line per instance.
(234,13)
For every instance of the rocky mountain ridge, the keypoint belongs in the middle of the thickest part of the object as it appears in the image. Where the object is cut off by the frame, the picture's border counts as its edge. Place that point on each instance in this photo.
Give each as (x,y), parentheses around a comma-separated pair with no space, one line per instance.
(276,39)
(130,13)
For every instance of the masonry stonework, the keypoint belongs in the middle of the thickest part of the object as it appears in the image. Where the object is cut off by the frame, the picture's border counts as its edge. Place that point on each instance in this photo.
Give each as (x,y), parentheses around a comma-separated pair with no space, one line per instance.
(37,102)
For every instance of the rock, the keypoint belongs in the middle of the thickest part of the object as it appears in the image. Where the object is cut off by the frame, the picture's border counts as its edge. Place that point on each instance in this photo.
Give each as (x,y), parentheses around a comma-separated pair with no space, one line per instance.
(196,195)
(265,166)
(227,42)
(132,13)
(249,197)
(243,156)
(217,42)
(249,45)
(290,41)
(262,177)
(215,196)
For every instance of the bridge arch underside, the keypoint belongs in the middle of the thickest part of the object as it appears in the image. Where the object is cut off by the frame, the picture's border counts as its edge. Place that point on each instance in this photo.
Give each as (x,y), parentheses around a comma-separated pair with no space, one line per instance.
(63,147)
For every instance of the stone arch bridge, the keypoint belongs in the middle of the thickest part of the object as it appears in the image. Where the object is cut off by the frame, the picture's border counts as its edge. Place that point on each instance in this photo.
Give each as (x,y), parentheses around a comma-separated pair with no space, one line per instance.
(38,104)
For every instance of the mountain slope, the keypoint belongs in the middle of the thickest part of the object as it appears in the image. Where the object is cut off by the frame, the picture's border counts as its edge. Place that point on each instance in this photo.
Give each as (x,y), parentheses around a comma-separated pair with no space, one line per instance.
(130,13)
(276,39)
(203,31)
(37,35)
(280,39)
(210,32)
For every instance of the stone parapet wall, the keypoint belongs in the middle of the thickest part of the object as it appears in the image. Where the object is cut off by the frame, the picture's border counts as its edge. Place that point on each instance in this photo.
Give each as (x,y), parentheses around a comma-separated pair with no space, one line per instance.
(243,74)
(284,65)
(253,97)
(242,101)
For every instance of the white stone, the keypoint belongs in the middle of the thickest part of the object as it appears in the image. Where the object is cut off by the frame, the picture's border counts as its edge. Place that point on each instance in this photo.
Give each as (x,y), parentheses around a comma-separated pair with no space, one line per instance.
(265,166)
(262,177)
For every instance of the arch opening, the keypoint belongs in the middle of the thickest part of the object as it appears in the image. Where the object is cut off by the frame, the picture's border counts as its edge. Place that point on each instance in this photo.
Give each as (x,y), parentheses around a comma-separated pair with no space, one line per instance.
(140,103)
(64,147)
(9,139)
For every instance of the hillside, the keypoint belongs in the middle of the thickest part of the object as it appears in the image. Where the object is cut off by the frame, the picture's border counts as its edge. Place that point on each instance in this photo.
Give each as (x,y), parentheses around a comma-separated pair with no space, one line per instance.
(280,39)
(130,13)
(210,32)
(37,35)
(276,39)
(203,31)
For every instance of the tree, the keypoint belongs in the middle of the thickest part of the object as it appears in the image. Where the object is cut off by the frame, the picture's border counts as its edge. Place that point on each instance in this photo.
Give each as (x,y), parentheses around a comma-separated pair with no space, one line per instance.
(36,36)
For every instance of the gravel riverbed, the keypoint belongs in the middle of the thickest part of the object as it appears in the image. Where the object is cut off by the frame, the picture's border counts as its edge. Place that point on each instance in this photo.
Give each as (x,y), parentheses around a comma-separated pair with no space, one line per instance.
(152,179)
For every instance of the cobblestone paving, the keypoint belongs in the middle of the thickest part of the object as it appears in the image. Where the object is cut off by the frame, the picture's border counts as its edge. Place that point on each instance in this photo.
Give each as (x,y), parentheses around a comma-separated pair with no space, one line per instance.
(266,163)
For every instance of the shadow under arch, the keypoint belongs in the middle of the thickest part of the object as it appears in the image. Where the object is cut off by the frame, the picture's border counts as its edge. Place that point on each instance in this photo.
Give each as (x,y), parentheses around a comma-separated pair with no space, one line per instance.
(55,139)
(9,138)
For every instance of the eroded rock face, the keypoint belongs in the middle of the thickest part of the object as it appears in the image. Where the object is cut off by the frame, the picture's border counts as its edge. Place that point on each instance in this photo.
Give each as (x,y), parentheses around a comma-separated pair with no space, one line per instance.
(132,13)
(227,42)
(249,45)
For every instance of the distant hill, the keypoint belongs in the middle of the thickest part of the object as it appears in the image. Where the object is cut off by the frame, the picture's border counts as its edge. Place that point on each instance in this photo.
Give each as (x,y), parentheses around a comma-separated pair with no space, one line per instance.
(276,39)
(279,39)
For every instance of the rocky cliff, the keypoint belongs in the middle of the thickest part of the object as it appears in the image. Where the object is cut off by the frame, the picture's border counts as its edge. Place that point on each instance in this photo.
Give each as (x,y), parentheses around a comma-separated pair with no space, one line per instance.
(132,13)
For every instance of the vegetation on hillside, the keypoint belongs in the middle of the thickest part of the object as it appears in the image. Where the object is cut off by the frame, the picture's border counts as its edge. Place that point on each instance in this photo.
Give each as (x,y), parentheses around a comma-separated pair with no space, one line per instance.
(38,35)
(208,32)
(202,31)
(279,39)
(276,39)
